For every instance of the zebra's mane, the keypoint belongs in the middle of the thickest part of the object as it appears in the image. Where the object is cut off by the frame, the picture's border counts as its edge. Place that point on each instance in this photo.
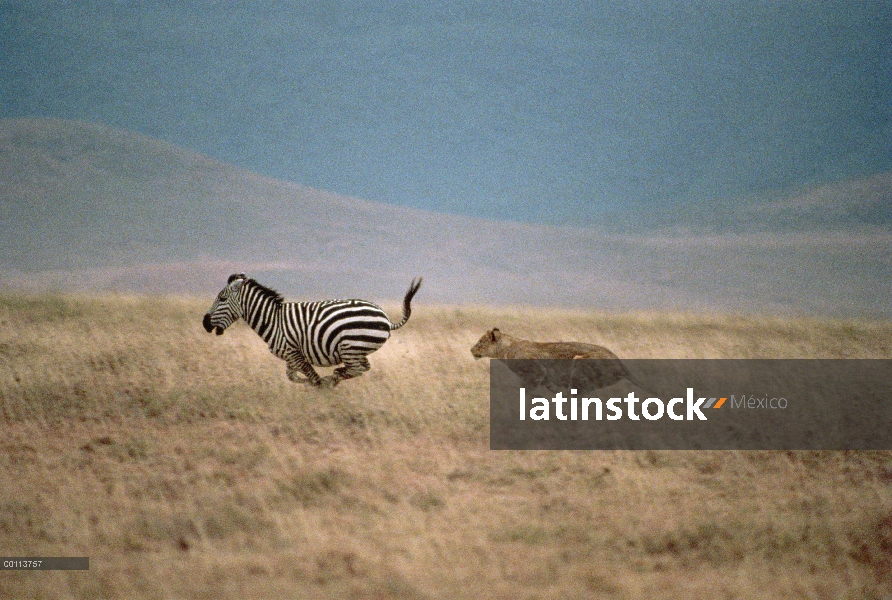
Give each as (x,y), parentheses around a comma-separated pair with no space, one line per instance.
(265,291)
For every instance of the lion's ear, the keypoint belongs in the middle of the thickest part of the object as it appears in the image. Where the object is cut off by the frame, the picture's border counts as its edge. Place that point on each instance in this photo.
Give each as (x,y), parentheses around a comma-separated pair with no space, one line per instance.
(495,334)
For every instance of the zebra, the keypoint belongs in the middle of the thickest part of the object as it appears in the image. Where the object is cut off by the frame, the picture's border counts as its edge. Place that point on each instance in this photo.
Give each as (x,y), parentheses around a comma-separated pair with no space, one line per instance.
(307,334)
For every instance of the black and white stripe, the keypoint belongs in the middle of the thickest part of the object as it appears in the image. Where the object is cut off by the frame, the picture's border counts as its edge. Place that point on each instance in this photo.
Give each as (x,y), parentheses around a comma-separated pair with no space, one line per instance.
(307,334)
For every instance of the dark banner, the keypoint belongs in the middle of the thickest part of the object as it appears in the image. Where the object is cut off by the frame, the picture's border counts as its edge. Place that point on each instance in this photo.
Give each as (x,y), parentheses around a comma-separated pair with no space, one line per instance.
(44,563)
(786,404)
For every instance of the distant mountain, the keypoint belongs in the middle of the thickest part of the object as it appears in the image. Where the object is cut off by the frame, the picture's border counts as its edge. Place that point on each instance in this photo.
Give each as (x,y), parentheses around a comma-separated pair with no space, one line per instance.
(857,205)
(87,207)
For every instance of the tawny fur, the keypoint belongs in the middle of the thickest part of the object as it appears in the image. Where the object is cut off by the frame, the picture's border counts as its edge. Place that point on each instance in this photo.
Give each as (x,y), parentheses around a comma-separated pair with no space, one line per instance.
(601,368)
(495,344)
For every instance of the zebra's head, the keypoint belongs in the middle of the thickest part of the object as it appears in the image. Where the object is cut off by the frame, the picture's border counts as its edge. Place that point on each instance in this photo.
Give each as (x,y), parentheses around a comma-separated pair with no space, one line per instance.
(226,308)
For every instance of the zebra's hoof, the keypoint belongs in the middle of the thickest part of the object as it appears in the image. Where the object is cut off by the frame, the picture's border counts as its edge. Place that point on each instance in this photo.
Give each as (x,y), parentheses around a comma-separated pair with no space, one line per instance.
(294,377)
(329,381)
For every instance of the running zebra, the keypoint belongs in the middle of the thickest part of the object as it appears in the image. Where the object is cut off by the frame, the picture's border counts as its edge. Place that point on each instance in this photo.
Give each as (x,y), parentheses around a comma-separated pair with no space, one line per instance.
(307,334)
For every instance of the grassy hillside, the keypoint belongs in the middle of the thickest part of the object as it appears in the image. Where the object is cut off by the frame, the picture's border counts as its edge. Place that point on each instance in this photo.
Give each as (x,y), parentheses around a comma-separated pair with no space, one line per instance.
(185,465)
(91,208)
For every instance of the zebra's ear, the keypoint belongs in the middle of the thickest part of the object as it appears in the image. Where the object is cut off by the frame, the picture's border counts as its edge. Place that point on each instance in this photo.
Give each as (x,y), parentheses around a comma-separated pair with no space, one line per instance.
(236,285)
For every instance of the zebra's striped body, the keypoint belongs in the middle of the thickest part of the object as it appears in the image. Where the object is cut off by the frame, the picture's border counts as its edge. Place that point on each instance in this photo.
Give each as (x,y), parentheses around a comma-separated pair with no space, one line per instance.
(308,334)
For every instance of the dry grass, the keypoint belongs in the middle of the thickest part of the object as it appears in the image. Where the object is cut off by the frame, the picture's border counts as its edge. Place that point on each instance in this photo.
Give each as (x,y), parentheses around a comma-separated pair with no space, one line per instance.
(187,466)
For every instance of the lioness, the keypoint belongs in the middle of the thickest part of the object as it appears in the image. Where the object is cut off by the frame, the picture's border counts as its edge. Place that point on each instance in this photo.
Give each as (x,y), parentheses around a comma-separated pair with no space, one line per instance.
(600,368)
(495,344)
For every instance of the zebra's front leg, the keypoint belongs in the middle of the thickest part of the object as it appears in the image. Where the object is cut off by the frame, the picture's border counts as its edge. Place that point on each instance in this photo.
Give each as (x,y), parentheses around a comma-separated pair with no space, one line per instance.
(298,364)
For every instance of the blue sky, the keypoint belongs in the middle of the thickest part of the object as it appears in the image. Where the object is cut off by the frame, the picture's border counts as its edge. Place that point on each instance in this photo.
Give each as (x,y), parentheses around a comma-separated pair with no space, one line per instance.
(543,112)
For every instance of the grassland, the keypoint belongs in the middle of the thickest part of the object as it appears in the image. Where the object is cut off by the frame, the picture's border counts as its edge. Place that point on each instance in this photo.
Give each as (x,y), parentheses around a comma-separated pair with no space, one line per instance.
(187,466)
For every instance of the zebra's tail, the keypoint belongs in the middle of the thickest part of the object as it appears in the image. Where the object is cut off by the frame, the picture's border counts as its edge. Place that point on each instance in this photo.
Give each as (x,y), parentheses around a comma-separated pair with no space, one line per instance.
(407,302)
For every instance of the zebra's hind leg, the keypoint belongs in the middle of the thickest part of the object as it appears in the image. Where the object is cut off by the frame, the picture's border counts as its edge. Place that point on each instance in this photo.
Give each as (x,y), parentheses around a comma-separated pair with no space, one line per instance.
(354,366)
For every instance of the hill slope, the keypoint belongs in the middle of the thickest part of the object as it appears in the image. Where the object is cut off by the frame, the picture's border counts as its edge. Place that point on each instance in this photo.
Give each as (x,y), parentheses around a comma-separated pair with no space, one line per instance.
(87,207)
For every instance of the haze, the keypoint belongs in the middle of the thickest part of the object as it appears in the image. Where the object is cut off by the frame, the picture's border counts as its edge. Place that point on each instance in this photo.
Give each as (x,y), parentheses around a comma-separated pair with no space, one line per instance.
(662,157)
(559,112)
